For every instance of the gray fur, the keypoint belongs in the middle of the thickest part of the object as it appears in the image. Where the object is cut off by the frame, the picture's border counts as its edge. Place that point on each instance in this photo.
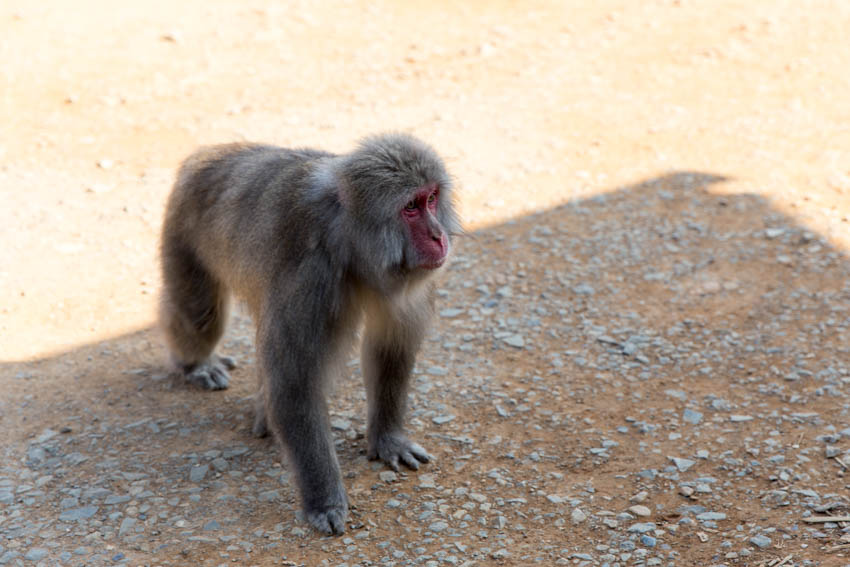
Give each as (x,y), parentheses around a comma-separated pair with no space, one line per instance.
(310,241)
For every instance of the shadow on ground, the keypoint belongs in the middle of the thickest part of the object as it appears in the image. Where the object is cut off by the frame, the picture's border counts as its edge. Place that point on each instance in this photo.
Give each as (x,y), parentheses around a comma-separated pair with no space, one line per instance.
(656,375)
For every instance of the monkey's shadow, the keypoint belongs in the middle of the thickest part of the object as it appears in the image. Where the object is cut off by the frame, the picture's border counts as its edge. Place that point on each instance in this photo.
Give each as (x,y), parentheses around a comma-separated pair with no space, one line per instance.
(651,255)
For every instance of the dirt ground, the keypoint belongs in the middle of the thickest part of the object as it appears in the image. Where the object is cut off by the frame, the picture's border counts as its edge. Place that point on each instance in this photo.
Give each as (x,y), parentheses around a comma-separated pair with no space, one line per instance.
(641,356)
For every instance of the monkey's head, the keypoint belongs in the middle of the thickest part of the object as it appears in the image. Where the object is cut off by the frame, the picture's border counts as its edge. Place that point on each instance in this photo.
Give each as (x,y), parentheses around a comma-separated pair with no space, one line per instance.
(398,197)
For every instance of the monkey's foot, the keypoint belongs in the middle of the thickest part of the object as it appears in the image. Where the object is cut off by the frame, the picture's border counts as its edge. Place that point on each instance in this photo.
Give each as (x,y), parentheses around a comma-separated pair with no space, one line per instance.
(211,374)
(394,447)
(330,521)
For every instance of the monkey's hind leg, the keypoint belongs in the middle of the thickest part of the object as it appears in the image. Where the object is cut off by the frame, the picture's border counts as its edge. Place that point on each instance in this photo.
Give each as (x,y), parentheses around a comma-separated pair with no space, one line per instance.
(193,315)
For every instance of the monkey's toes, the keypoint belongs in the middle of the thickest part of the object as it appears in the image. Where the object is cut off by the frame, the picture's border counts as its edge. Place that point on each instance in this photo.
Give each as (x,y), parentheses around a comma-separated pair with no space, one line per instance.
(227,361)
(330,521)
(209,375)
(394,448)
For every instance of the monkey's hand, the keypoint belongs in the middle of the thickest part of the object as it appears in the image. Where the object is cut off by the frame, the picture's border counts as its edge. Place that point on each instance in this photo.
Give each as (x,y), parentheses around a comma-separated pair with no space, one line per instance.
(394,447)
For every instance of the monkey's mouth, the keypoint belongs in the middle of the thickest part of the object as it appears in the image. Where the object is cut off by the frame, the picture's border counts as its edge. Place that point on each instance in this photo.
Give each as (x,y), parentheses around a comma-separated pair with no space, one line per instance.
(434,264)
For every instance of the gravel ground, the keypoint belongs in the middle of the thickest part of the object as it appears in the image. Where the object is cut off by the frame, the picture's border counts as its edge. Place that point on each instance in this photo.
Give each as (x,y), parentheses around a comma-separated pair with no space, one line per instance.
(641,353)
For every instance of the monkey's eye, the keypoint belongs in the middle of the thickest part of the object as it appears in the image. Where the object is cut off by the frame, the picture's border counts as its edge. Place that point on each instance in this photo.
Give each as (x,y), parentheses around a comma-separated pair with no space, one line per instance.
(432,198)
(410,206)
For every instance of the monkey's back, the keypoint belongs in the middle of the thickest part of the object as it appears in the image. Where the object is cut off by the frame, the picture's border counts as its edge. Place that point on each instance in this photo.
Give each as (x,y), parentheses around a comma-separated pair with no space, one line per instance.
(232,203)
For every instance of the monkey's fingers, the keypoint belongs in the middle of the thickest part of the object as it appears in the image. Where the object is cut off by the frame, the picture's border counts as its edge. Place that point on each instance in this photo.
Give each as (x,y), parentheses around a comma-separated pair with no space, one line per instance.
(329,522)
(228,361)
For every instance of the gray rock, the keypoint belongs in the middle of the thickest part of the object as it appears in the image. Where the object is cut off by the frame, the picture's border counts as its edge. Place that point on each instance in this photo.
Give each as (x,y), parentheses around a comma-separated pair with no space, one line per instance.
(515,341)
(761,541)
(682,464)
(711,516)
(198,472)
(740,418)
(641,528)
(127,524)
(691,416)
(441,419)
(268,496)
(36,553)
(75,514)
(438,526)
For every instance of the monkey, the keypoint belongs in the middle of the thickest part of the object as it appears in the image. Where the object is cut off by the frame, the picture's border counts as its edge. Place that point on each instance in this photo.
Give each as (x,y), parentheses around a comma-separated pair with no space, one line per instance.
(315,244)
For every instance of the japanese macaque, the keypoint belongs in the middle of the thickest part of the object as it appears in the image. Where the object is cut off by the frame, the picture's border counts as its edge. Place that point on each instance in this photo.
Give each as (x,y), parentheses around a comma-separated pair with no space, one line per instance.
(314,243)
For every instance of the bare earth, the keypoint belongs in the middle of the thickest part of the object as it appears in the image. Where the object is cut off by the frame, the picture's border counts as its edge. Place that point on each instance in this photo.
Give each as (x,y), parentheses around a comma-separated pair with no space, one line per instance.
(651,309)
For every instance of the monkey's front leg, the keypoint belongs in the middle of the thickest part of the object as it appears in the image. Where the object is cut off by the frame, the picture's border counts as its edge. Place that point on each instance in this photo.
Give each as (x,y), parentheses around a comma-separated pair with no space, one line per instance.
(387,361)
(296,413)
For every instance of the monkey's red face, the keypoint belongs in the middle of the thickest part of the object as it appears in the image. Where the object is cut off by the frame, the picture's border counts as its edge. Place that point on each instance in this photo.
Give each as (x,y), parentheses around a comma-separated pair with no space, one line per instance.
(427,234)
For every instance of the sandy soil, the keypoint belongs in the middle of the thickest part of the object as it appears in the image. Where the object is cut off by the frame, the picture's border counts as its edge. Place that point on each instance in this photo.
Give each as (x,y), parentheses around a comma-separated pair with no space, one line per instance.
(651,307)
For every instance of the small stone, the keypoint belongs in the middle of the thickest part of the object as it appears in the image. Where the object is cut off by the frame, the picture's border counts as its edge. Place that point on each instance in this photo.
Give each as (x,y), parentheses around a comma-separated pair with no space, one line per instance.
(198,472)
(441,419)
(640,510)
(760,541)
(583,289)
(682,464)
(438,526)
(740,418)
(212,525)
(36,554)
(268,496)
(711,516)
(577,516)
(692,416)
(686,491)
(515,341)
(78,514)
(341,424)
(647,540)
(642,528)
(449,313)
(427,481)
(127,524)
(388,476)
(640,497)
(46,435)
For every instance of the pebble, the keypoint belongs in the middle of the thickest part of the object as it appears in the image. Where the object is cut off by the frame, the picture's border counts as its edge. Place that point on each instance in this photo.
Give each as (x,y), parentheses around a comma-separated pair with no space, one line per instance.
(640,510)
(711,516)
(127,525)
(76,514)
(692,416)
(36,554)
(641,528)
(577,516)
(682,464)
(761,541)
(198,472)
